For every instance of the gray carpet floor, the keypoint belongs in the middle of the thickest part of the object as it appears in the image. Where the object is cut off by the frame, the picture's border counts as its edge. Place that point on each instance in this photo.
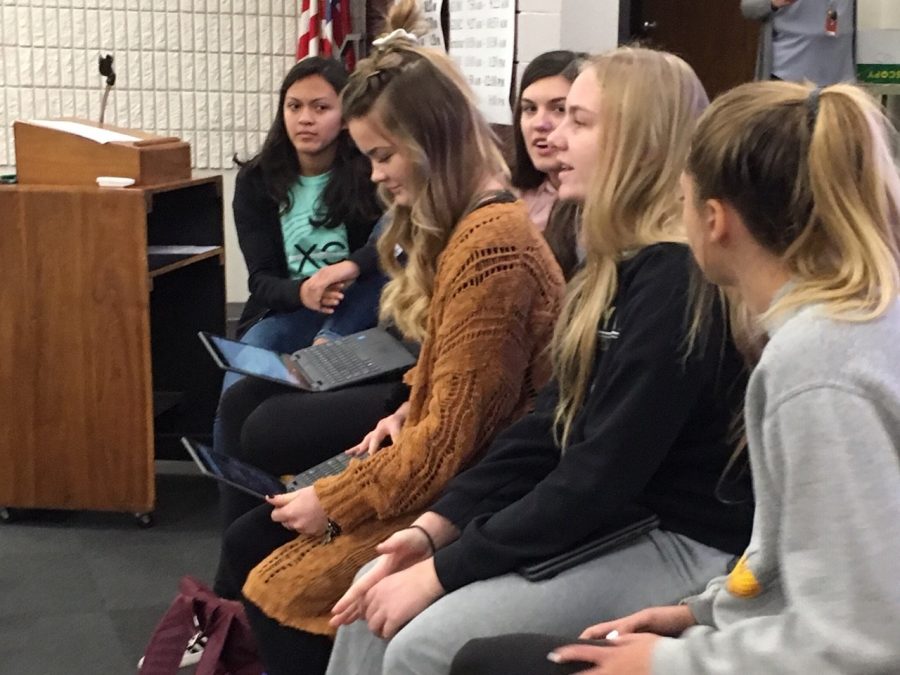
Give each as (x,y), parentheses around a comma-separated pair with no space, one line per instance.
(81,592)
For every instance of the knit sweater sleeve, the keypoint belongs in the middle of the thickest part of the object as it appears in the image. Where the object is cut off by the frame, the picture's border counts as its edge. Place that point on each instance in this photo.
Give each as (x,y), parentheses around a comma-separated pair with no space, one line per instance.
(521,456)
(482,344)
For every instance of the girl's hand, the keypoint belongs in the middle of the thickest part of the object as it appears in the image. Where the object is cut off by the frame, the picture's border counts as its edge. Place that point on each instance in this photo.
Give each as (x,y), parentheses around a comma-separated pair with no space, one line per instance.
(299,511)
(319,297)
(398,552)
(388,426)
(628,655)
(672,621)
(323,291)
(331,298)
(397,599)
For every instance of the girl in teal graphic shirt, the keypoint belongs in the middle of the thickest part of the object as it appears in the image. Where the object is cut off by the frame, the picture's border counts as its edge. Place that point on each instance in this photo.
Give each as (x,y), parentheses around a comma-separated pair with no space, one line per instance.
(301,205)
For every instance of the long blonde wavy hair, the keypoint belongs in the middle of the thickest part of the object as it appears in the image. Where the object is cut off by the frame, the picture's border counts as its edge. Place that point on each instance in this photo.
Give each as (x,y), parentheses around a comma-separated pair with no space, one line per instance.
(420,100)
(649,104)
(813,175)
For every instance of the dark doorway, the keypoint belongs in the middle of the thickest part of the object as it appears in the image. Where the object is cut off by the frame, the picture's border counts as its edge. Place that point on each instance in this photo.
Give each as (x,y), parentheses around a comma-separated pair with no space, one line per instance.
(711,35)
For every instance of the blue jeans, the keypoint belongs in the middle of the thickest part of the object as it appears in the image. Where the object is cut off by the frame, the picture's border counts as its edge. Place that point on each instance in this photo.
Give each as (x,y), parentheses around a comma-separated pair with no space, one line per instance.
(358,310)
(285,333)
(290,331)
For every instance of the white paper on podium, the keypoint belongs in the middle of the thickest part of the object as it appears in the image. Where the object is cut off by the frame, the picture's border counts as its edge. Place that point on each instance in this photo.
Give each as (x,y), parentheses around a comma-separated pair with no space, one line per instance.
(85,131)
(180,250)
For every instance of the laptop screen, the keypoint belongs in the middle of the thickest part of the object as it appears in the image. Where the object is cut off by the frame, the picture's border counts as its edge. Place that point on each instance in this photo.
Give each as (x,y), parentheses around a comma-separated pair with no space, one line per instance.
(237,473)
(256,360)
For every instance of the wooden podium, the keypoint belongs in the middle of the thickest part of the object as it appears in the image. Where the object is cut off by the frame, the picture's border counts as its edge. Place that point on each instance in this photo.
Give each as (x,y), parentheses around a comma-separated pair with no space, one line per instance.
(58,155)
(102,292)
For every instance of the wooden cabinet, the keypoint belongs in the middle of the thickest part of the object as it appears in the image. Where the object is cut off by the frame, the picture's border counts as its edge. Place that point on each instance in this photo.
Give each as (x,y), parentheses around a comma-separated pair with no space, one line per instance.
(101,370)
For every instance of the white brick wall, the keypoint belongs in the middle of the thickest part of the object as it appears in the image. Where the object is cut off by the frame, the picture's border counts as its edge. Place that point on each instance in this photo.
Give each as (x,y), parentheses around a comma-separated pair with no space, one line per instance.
(206,71)
(590,25)
(580,25)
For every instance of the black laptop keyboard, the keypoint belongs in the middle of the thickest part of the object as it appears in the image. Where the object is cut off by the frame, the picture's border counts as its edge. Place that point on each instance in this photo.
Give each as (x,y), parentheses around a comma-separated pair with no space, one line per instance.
(330,467)
(338,363)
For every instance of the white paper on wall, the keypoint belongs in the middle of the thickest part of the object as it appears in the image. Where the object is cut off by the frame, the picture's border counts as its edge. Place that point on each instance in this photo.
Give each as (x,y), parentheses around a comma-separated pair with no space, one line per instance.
(482,38)
(878,14)
(431,9)
(878,42)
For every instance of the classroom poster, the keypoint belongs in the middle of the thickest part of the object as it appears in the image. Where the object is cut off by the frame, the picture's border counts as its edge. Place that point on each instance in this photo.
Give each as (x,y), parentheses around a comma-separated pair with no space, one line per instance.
(482,40)
(431,10)
(878,42)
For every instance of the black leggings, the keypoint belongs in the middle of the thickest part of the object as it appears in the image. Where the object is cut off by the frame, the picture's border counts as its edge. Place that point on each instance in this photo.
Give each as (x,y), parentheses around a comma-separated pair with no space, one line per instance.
(285,431)
(516,654)
(286,651)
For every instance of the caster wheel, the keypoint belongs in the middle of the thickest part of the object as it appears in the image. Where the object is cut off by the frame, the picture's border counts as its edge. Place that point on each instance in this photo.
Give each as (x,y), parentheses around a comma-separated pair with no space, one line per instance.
(8,515)
(144,520)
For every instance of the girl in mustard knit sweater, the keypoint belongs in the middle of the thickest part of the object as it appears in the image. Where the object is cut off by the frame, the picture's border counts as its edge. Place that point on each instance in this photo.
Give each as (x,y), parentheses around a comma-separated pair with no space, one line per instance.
(480,290)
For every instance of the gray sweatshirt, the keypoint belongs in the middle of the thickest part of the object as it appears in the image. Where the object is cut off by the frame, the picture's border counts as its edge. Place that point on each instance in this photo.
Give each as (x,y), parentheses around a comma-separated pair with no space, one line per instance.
(818,589)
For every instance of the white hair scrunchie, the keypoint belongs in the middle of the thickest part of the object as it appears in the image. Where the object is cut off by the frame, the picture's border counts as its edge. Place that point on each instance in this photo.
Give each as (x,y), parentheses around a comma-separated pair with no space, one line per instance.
(399,34)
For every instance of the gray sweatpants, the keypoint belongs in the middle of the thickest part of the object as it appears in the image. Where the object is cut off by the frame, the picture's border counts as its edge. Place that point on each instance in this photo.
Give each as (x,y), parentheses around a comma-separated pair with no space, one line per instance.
(657,569)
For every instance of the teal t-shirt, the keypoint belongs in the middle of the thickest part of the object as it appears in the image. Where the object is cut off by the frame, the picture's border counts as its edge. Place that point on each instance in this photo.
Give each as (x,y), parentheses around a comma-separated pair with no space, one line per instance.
(309,248)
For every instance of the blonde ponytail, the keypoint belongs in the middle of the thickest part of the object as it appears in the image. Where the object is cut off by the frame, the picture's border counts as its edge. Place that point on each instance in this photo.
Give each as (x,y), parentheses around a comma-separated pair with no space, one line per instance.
(405,15)
(812,174)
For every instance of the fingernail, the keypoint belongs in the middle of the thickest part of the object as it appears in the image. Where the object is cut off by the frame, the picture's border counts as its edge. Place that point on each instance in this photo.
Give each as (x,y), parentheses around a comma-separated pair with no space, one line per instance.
(612,635)
(554,657)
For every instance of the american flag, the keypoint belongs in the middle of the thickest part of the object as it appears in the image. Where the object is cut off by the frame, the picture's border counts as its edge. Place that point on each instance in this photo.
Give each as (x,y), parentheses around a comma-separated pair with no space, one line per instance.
(323,26)
(308,44)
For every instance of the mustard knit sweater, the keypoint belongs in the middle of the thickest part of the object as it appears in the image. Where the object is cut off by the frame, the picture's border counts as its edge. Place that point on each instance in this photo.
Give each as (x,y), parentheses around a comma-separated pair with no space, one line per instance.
(497,293)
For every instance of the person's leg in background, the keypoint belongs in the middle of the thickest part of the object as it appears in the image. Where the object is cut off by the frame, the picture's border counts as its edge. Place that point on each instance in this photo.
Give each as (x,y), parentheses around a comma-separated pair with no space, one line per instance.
(356,649)
(237,404)
(285,650)
(245,543)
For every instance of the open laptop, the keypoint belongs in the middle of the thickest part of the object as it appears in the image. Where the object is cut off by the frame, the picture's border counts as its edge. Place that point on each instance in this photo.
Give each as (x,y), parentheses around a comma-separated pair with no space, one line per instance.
(342,362)
(254,481)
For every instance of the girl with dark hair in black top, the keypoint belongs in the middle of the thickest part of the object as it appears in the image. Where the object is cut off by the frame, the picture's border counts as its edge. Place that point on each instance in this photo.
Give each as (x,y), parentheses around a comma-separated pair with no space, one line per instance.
(303,202)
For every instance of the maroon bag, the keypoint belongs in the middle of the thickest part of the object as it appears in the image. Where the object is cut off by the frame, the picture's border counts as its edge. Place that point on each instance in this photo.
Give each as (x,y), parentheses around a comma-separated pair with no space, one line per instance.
(230,648)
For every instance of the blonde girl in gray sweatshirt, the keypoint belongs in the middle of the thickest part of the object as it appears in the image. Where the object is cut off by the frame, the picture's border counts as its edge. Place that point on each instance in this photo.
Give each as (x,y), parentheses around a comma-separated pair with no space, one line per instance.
(791,198)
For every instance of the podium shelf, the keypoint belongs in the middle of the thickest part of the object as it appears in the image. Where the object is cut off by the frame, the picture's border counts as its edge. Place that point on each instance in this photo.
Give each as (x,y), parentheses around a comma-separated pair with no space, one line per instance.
(165,259)
(163,401)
